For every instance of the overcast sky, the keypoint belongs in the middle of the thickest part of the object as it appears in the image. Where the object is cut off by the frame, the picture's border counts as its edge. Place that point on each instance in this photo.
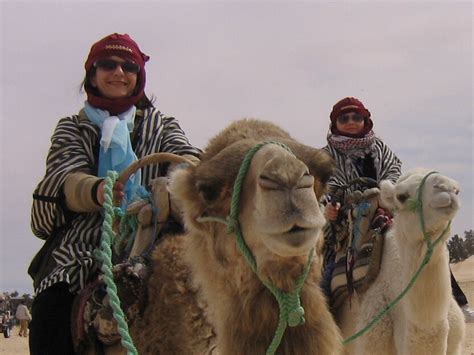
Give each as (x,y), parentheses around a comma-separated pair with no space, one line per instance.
(215,62)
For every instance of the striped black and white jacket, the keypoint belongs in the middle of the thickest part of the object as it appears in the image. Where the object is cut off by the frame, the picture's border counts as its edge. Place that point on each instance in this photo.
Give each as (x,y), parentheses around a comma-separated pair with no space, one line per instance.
(75,148)
(387,167)
(386,163)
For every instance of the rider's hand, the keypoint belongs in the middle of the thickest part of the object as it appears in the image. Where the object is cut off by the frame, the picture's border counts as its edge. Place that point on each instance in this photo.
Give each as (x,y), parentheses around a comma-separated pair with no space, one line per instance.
(331,211)
(117,191)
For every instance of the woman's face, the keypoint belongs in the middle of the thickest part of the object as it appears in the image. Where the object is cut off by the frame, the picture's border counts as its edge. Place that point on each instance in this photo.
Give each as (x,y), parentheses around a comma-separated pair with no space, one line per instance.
(115,81)
(350,123)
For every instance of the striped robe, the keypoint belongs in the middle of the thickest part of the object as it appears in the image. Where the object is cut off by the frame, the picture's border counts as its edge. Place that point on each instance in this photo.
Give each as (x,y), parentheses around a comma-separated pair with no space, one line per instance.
(387,167)
(74,148)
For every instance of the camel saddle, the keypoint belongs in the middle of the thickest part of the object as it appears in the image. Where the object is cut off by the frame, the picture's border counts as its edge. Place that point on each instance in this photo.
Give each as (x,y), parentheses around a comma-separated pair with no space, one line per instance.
(93,324)
(358,244)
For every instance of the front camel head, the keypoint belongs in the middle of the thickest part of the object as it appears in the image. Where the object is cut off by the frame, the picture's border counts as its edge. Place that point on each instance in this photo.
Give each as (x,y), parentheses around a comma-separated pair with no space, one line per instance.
(279,212)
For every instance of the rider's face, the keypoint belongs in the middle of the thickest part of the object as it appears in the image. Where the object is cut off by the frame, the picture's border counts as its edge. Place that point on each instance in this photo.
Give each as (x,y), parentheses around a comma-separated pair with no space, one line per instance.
(350,123)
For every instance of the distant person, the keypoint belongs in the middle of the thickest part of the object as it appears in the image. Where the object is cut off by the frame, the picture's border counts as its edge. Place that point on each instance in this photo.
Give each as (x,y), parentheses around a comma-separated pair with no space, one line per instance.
(7,324)
(117,125)
(356,150)
(359,153)
(24,317)
(461,299)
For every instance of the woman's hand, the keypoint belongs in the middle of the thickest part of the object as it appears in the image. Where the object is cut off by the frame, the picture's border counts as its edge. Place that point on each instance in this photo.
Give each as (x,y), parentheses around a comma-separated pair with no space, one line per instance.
(331,211)
(117,192)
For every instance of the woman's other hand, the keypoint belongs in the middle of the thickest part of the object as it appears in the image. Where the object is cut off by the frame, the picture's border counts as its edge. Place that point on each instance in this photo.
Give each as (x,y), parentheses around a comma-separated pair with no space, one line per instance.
(331,211)
(117,192)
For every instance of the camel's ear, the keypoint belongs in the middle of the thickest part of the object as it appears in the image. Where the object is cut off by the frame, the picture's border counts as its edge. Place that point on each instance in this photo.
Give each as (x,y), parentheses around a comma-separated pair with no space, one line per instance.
(321,166)
(179,182)
(387,195)
(319,162)
(324,164)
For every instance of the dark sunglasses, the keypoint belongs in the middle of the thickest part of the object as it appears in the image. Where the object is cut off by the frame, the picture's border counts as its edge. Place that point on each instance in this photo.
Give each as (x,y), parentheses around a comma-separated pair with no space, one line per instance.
(110,64)
(345,118)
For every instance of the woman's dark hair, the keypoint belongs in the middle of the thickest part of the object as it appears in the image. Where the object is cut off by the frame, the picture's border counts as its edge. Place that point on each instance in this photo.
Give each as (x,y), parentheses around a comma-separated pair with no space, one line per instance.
(142,104)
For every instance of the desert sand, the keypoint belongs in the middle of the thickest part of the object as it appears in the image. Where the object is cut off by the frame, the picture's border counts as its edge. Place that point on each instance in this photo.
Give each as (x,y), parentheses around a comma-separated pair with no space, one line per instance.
(463,271)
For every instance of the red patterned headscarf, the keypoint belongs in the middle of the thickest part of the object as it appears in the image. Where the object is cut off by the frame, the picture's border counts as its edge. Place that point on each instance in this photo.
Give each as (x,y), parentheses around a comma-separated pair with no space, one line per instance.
(346,105)
(123,46)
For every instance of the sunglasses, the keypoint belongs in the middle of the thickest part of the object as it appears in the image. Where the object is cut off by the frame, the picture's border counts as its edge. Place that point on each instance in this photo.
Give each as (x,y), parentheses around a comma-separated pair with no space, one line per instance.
(110,65)
(345,118)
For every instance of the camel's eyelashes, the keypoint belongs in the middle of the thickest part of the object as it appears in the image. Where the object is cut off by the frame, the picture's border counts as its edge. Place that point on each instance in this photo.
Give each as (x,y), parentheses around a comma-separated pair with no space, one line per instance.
(306,181)
(403,197)
(267,182)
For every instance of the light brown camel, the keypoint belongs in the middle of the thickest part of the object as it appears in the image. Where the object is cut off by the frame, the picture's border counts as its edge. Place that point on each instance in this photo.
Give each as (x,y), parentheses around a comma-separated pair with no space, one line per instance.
(202,295)
(427,320)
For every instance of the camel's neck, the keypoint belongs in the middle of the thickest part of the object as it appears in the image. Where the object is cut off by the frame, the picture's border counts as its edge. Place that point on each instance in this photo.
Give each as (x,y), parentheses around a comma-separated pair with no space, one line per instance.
(433,283)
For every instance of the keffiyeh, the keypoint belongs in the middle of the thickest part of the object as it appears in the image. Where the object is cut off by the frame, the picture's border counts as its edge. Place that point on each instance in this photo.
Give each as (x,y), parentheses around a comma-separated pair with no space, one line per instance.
(116,152)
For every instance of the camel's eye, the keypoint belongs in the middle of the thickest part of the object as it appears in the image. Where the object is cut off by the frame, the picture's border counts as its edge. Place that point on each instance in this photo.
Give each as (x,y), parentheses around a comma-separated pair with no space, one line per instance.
(209,192)
(403,197)
(306,181)
(267,182)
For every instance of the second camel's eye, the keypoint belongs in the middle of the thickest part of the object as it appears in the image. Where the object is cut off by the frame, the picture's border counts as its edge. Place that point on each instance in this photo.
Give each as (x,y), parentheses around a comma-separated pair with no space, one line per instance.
(403,197)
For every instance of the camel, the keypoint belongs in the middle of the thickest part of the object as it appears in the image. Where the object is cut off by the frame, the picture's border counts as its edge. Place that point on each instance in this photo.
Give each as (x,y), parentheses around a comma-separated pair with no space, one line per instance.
(202,295)
(427,320)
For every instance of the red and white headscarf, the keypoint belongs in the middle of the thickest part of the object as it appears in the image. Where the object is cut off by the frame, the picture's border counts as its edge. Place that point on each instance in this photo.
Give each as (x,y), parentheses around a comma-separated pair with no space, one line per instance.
(346,105)
(123,46)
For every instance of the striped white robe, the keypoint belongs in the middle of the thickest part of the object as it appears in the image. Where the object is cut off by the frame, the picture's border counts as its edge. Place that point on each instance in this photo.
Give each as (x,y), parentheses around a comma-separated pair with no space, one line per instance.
(387,167)
(75,147)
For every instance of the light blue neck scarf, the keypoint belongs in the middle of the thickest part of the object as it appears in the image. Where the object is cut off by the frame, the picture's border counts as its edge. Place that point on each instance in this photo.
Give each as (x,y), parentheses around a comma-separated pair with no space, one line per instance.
(116,151)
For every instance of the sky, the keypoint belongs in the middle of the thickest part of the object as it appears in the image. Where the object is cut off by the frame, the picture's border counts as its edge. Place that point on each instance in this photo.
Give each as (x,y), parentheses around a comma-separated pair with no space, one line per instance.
(214,62)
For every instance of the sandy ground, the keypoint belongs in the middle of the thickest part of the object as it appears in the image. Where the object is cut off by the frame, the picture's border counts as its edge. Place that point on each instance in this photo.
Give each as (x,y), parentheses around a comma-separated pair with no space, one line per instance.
(464,273)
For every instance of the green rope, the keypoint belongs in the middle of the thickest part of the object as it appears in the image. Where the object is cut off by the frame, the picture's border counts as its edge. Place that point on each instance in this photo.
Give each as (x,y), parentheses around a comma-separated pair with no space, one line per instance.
(291,311)
(418,204)
(124,229)
(104,256)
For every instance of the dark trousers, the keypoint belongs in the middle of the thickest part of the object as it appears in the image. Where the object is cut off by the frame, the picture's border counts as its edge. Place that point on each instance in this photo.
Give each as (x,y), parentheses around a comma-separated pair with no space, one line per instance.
(459,296)
(50,327)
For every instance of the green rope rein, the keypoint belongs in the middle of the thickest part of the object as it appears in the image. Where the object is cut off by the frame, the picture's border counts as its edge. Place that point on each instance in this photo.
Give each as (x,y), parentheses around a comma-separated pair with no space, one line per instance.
(104,256)
(418,206)
(291,311)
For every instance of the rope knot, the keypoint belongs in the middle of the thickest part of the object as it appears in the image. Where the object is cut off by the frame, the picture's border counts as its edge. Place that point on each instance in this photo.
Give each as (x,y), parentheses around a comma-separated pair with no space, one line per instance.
(296,316)
(118,212)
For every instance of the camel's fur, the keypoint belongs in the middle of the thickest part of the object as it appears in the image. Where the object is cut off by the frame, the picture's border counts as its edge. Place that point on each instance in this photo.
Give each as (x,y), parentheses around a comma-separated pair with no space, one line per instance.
(201,284)
(427,320)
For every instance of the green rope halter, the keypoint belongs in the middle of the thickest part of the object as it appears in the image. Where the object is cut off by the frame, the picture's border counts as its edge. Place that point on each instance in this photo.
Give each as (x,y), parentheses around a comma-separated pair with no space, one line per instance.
(418,206)
(291,311)
(104,256)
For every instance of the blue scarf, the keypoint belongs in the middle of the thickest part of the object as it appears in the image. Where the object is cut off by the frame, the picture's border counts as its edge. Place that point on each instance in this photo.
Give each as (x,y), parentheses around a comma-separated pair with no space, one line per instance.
(116,151)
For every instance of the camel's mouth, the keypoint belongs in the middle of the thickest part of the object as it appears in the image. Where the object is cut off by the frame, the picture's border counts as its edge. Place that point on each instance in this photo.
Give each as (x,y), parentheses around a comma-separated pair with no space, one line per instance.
(445,202)
(296,228)
(448,210)
(297,236)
